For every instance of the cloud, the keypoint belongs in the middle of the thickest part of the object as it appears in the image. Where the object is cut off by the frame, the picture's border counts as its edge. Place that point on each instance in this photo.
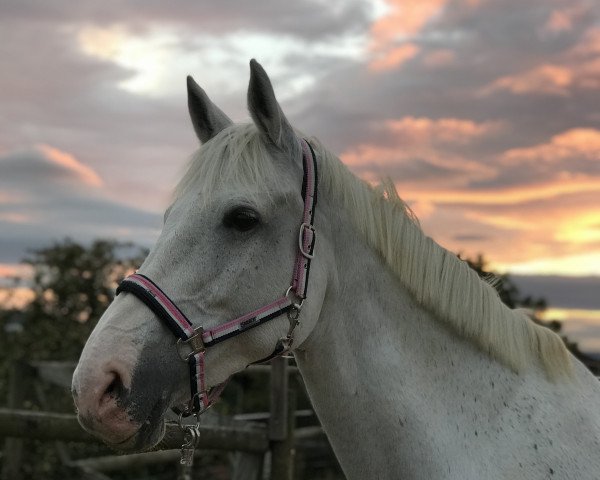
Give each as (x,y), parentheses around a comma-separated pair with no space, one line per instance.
(52,195)
(481,170)
(562,292)
(441,131)
(394,57)
(571,70)
(319,18)
(421,153)
(68,164)
(564,19)
(571,148)
(541,80)
(41,165)
(518,194)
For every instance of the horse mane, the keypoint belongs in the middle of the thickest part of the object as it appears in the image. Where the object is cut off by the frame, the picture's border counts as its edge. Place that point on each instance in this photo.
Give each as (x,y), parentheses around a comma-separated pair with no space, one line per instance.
(440,281)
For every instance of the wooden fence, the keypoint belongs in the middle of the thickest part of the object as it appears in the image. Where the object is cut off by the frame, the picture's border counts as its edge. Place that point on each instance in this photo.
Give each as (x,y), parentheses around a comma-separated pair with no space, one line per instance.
(261,451)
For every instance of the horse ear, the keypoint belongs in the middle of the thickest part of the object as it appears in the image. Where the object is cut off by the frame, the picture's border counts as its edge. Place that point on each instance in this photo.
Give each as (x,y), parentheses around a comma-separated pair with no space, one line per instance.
(207,118)
(265,110)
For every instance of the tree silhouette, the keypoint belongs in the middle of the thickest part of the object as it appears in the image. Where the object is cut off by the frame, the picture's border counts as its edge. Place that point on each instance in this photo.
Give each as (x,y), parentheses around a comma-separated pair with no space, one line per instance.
(72,285)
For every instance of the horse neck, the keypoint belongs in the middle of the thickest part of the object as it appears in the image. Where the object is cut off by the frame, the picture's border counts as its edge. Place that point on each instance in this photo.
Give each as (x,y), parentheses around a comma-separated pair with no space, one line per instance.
(378,364)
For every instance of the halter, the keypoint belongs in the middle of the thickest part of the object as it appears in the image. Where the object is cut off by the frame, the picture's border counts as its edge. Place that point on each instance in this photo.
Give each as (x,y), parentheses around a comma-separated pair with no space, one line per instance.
(193,342)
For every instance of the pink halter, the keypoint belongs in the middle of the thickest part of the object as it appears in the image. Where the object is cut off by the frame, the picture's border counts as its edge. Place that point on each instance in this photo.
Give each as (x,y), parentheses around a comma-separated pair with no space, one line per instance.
(192,342)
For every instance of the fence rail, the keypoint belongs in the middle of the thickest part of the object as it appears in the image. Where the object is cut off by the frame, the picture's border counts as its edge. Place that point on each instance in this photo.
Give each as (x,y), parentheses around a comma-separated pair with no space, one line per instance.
(249,440)
(50,426)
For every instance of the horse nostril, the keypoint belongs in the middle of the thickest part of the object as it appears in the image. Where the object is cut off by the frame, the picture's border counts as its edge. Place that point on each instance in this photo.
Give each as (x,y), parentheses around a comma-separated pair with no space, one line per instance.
(114,389)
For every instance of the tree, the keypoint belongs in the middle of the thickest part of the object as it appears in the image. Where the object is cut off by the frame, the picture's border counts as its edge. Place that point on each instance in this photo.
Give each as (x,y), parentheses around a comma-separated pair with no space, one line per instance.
(512,297)
(507,290)
(72,285)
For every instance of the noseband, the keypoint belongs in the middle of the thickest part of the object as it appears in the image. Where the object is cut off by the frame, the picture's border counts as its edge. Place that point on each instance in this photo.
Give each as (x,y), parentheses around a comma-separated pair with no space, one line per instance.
(193,342)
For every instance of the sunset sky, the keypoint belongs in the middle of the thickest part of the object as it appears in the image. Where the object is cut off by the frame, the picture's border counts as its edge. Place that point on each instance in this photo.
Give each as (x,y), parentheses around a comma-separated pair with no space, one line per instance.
(486,114)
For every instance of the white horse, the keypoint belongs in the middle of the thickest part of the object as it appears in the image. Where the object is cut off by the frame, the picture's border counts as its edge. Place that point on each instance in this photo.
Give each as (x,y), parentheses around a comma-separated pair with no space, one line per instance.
(414,366)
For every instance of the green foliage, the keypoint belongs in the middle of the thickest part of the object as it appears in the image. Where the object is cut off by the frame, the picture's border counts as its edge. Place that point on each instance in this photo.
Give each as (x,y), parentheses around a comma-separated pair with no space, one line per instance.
(72,285)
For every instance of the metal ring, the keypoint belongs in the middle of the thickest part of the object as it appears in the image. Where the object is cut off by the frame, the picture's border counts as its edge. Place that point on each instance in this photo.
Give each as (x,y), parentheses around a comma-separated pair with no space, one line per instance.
(297,306)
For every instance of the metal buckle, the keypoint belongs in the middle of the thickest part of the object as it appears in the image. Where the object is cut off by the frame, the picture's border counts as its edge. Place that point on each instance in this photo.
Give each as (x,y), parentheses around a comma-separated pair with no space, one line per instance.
(303,228)
(195,343)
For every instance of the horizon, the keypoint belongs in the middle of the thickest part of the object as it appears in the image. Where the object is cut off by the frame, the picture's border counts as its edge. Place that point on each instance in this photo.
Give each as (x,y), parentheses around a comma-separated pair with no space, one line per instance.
(486,121)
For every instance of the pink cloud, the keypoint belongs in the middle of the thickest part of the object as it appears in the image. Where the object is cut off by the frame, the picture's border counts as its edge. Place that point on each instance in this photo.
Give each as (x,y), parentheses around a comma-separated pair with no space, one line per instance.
(439,58)
(513,195)
(14,270)
(15,217)
(391,33)
(67,161)
(577,143)
(563,19)
(544,79)
(404,19)
(423,130)
(422,152)
(577,68)
(553,216)
(394,57)
(542,234)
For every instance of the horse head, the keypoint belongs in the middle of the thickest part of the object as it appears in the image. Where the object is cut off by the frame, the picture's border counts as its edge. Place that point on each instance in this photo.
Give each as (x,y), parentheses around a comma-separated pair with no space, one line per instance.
(229,245)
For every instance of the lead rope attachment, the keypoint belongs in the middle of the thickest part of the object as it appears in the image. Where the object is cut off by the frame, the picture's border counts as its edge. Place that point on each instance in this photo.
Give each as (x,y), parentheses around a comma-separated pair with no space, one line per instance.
(191,437)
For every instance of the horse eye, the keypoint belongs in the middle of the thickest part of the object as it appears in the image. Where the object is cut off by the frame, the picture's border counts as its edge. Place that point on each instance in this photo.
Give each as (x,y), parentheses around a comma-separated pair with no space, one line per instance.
(242,219)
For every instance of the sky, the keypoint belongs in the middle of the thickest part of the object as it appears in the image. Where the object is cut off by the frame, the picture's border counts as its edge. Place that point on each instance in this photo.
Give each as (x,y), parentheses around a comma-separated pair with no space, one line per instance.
(485,114)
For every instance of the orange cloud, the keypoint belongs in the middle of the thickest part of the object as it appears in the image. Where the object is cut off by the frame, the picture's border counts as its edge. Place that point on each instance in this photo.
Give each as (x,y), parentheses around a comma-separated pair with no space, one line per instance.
(394,57)
(423,130)
(578,68)
(580,228)
(558,235)
(9,270)
(562,19)
(69,162)
(511,195)
(552,221)
(424,145)
(391,33)
(404,18)
(371,162)
(441,57)
(545,79)
(14,217)
(589,46)
(552,264)
(544,218)
(577,143)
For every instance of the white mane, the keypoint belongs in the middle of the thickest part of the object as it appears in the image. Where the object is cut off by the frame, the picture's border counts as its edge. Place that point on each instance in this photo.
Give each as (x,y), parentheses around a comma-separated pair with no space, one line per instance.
(445,285)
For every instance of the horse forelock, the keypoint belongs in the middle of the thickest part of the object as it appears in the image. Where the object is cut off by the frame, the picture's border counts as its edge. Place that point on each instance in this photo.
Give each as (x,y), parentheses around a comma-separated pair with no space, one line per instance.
(236,160)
